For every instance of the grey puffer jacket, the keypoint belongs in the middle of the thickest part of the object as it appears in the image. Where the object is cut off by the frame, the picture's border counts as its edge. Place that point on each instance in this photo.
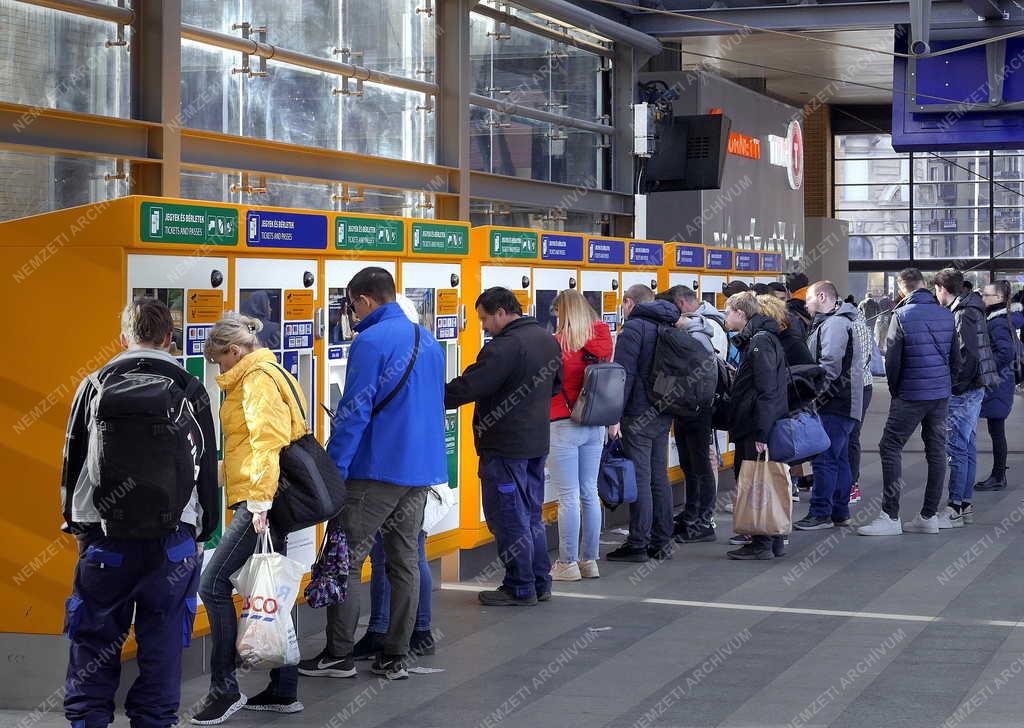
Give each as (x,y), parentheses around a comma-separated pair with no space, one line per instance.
(719,335)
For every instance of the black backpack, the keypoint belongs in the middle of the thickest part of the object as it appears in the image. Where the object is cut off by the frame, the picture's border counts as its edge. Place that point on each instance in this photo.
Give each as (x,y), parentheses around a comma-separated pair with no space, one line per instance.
(721,406)
(146,446)
(684,374)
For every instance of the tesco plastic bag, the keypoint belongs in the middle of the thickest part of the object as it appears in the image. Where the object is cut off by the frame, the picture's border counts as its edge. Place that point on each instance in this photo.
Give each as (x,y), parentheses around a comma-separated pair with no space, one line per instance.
(269,585)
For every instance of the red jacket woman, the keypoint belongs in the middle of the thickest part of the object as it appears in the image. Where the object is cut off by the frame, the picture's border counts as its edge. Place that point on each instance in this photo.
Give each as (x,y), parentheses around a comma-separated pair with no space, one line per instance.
(597,348)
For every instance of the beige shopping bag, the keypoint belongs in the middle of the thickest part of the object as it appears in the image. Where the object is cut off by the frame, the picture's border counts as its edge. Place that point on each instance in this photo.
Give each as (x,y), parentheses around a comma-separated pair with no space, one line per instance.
(764,503)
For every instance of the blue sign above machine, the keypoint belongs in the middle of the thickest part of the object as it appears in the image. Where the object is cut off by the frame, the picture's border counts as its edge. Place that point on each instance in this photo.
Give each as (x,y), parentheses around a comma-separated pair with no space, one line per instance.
(264,229)
(446,327)
(719,259)
(746,261)
(561,247)
(689,256)
(642,253)
(196,339)
(603,250)
(771,262)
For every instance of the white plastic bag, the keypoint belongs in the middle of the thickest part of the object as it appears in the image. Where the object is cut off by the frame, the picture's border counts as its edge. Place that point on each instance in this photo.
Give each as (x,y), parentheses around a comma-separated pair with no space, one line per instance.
(440,501)
(269,585)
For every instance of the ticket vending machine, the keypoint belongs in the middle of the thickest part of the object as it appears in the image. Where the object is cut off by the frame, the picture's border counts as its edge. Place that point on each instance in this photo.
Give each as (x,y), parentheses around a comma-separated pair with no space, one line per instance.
(771,266)
(718,267)
(431,277)
(645,264)
(600,279)
(195,289)
(747,264)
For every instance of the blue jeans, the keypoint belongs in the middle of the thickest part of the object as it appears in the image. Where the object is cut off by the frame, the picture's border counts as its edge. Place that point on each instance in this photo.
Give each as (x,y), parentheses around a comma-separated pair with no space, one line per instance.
(380,589)
(574,462)
(830,496)
(961,450)
(235,547)
(513,499)
(153,581)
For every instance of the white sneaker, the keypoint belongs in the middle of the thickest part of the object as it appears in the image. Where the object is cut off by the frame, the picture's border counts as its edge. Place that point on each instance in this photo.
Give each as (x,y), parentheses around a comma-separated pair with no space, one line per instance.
(882,526)
(588,569)
(949,518)
(967,512)
(922,525)
(563,571)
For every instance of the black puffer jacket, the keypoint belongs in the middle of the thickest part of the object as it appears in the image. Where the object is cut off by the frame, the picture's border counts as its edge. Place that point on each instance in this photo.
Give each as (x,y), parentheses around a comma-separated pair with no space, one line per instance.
(977,362)
(759,395)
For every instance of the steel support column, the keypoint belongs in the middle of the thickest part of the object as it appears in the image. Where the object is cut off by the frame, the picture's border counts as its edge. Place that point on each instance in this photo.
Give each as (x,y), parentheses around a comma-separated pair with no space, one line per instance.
(624,71)
(156,93)
(452,103)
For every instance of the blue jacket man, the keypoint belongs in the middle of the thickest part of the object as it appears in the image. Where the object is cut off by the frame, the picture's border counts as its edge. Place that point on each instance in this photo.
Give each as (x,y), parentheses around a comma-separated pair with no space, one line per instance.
(388,442)
(644,428)
(921,359)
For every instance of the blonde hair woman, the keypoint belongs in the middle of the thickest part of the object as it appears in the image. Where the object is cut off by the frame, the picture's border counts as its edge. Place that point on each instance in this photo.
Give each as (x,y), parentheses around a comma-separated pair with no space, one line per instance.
(575,454)
(259,417)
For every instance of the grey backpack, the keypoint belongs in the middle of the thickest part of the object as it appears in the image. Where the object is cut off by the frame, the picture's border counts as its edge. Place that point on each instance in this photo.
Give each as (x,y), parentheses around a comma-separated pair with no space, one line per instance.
(603,396)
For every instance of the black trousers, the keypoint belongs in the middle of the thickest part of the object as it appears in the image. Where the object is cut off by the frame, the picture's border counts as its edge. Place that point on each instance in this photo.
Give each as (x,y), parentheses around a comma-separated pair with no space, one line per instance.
(997,431)
(904,418)
(693,442)
(854,451)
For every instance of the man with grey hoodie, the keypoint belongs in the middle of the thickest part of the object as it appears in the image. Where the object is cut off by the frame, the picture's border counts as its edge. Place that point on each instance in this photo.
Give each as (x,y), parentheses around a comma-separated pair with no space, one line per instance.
(694,435)
(834,345)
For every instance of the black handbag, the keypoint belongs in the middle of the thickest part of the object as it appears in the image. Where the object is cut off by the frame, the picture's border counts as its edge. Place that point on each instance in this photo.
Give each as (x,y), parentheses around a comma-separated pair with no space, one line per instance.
(310,489)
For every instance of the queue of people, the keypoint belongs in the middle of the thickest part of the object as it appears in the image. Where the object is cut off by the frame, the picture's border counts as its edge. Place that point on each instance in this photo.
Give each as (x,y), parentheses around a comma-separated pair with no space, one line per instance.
(141,433)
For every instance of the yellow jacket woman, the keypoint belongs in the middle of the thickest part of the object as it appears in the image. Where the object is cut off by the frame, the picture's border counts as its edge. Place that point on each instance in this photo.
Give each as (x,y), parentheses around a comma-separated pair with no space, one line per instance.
(259,417)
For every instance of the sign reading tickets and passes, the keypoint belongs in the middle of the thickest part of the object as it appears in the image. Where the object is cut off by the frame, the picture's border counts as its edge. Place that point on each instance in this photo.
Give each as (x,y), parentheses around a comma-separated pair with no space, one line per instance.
(266,229)
(747,261)
(561,246)
(719,259)
(689,256)
(771,262)
(513,243)
(646,253)
(369,233)
(165,222)
(440,238)
(605,250)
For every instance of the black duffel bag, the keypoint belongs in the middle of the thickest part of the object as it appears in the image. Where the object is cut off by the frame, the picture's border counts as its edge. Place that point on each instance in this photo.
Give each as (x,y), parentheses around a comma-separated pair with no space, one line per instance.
(310,490)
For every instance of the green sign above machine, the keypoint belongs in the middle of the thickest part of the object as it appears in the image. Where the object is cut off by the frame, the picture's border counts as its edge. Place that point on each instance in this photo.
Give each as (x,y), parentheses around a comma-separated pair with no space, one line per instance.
(162,222)
(369,233)
(439,238)
(513,244)
(451,445)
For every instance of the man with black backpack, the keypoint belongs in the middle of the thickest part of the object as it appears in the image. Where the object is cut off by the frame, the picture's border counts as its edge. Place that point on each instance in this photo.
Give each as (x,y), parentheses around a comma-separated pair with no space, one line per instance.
(694,435)
(139,491)
(660,361)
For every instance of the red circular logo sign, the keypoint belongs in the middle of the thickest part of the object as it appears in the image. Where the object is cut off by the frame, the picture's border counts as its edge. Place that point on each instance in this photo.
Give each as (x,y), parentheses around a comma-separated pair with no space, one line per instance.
(795,145)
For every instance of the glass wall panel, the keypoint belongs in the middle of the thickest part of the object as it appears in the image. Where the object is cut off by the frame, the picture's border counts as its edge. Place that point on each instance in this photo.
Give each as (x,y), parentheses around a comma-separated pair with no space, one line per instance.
(217,187)
(950,194)
(951,220)
(57,60)
(865,146)
(963,167)
(859,196)
(34,183)
(951,246)
(483,212)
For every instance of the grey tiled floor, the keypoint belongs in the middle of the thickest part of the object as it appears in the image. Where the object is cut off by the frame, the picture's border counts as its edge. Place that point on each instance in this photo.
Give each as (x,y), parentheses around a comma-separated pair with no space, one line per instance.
(932,639)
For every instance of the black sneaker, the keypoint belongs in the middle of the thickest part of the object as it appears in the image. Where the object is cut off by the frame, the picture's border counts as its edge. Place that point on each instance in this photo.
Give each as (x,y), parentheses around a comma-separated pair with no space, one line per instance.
(739,539)
(422,643)
(813,523)
(842,523)
(218,708)
(700,533)
(805,482)
(273,703)
(628,553)
(750,553)
(324,665)
(544,596)
(390,667)
(368,647)
(779,547)
(661,553)
(503,597)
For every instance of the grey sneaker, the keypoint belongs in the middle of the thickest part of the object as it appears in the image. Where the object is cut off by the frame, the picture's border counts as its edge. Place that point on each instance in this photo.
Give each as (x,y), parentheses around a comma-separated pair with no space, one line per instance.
(390,667)
(967,511)
(922,525)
